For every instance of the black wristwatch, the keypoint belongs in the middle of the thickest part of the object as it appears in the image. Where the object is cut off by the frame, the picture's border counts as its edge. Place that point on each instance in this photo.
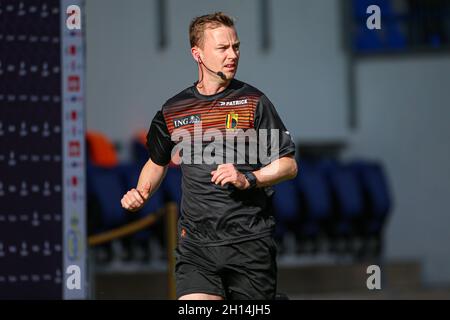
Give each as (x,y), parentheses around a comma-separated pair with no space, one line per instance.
(251,178)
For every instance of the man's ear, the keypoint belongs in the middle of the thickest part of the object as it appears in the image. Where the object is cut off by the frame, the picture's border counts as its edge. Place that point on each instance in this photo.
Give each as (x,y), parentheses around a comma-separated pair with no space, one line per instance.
(196,54)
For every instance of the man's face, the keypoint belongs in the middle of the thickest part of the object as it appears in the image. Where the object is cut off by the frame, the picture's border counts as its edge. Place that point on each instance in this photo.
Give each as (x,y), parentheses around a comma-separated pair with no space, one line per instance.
(221,50)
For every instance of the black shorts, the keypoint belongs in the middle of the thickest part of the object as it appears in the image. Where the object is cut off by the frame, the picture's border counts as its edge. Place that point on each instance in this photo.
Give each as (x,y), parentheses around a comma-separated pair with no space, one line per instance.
(244,270)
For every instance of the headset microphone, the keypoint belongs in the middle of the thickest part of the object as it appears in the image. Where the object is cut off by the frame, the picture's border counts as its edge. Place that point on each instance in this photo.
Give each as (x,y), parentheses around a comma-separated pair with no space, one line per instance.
(219,73)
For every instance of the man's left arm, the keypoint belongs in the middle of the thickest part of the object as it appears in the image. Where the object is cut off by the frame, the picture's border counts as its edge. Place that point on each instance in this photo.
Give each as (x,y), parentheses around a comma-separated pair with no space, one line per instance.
(278,170)
(282,165)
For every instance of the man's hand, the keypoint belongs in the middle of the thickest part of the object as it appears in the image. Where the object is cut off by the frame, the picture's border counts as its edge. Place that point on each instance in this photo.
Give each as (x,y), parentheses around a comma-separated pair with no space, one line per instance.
(227,173)
(135,199)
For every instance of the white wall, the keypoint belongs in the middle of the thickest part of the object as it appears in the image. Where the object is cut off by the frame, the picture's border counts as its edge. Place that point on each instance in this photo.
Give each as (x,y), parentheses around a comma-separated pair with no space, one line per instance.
(404,121)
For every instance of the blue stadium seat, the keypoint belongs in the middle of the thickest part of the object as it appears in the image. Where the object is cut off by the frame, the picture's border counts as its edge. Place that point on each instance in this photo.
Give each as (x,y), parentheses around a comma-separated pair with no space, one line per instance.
(348,206)
(105,187)
(139,150)
(286,201)
(349,198)
(378,200)
(104,183)
(286,205)
(171,185)
(315,191)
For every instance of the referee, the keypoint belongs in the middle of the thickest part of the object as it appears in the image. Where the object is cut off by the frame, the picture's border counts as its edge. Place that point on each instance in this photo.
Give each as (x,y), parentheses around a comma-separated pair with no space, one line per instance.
(225,244)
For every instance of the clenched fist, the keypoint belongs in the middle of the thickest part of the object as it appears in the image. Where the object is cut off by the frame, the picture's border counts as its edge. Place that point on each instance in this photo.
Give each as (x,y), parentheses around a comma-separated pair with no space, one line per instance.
(227,173)
(135,199)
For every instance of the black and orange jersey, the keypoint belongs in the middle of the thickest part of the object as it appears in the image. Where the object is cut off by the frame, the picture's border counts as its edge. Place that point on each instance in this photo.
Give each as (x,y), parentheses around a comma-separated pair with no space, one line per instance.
(212,214)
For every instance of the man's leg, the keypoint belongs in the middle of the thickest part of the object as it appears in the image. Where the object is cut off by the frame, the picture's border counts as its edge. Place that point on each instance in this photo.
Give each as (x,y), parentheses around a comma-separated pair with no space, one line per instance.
(200,296)
(251,270)
(196,273)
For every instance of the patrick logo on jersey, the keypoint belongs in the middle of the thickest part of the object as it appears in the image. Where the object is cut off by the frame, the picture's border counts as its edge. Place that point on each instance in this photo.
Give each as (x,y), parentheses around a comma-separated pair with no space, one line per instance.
(232,103)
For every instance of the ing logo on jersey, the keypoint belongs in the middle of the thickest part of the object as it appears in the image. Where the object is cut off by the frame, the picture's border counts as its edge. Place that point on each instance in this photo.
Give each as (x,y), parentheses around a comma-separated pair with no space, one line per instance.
(231,121)
(191,119)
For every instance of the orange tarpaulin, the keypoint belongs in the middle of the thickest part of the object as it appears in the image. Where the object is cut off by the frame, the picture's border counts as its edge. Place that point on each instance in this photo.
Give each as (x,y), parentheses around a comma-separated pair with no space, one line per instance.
(101,150)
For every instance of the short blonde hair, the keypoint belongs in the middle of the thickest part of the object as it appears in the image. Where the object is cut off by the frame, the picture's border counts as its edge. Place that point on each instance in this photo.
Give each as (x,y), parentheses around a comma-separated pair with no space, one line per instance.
(212,20)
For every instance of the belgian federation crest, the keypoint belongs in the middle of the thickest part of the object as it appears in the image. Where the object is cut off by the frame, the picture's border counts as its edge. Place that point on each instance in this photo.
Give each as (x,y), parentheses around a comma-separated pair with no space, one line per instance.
(232,120)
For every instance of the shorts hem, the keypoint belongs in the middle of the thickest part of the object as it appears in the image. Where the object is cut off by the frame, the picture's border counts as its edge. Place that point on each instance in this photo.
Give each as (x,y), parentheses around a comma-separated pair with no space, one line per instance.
(199,290)
(230,241)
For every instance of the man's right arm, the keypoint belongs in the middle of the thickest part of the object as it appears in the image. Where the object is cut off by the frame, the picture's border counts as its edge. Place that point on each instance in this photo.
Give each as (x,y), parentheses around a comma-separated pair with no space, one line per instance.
(149,181)
(160,145)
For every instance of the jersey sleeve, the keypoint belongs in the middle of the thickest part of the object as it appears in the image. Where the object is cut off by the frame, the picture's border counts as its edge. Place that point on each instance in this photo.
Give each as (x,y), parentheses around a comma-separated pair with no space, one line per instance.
(266,117)
(159,143)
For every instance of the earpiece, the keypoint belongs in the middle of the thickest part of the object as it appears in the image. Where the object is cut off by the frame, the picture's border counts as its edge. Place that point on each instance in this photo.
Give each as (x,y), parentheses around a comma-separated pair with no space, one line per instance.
(219,73)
